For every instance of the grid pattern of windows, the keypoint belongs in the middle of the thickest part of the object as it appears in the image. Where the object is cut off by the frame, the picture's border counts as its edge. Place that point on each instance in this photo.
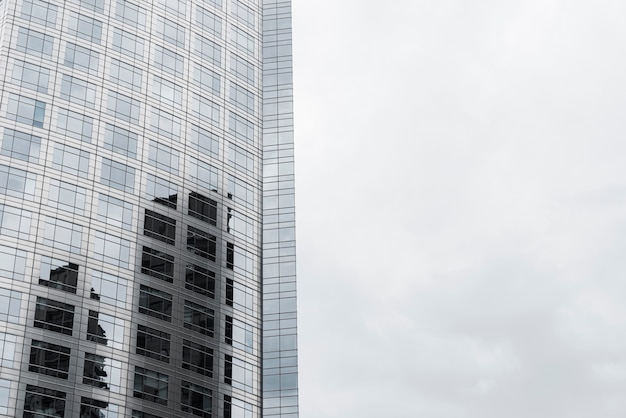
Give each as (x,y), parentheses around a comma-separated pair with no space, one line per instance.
(130,104)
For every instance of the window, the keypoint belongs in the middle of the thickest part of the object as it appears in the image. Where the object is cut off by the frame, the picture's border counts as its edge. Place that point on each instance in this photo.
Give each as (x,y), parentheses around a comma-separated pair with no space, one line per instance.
(25,110)
(15,222)
(196,399)
(16,182)
(81,58)
(85,27)
(75,125)
(112,249)
(242,98)
(57,274)
(54,316)
(118,176)
(126,75)
(238,257)
(167,92)
(20,145)
(63,235)
(162,191)
(30,76)
(205,109)
(243,13)
(239,334)
(8,350)
(95,5)
(34,43)
(102,372)
(208,50)
(10,304)
(106,330)
(241,226)
(91,408)
(40,12)
(139,414)
(123,107)
(130,14)
(165,123)
(12,263)
(198,318)
(127,44)
(241,128)
(151,386)
(200,280)
(157,264)
(163,157)
(201,243)
(160,227)
(66,196)
(76,90)
(120,140)
(240,191)
(43,403)
(169,61)
(205,141)
(109,289)
(238,373)
(70,160)
(178,7)
(207,79)
(153,343)
(241,159)
(115,212)
(202,174)
(49,359)
(235,408)
(170,31)
(242,40)
(155,303)
(209,21)
(197,358)
(203,208)
(242,69)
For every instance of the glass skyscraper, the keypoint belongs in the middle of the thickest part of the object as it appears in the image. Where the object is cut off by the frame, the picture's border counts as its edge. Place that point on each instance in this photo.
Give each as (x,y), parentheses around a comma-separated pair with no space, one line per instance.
(147,225)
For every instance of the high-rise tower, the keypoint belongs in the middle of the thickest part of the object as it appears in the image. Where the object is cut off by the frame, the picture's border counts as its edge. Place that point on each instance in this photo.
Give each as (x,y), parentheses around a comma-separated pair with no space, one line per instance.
(147,231)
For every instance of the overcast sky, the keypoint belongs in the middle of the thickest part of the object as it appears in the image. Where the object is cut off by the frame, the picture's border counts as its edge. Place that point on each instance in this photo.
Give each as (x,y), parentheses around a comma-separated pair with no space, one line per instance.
(461,199)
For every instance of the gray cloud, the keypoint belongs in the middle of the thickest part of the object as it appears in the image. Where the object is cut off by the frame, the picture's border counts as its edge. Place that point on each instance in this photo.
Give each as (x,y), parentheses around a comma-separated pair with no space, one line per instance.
(461,196)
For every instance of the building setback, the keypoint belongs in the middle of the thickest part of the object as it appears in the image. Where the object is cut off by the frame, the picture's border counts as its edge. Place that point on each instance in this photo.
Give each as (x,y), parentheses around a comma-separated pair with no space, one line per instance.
(147,224)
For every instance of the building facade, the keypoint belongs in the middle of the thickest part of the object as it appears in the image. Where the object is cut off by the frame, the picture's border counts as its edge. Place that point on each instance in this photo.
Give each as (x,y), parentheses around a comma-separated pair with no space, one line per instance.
(147,230)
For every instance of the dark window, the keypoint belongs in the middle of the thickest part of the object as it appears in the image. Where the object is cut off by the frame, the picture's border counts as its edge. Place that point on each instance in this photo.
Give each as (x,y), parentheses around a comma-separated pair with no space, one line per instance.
(228,370)
(157,264)
(197,358)
(96,372)
(41,402)
(228,330)
(49,359)
(200,280)
(203,208)
(230,255)
(59,275)
(153,343)
(230,292)
(155,303)
(92,408)
(151,386)
(201,243)
(196,399)
(54,316)
(160,227)
(139,414)
(198,318)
